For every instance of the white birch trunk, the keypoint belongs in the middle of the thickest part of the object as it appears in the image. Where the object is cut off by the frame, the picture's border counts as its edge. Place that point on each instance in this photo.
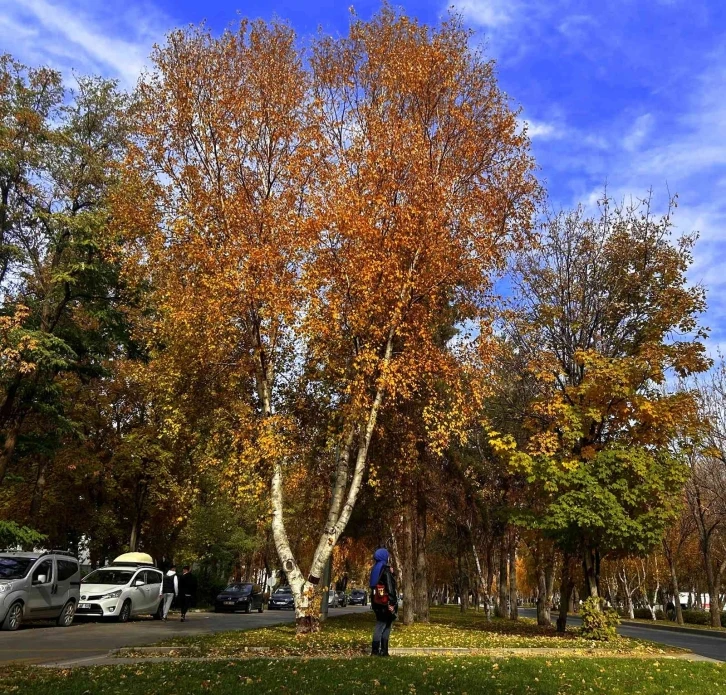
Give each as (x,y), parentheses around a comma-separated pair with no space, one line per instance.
(341,507)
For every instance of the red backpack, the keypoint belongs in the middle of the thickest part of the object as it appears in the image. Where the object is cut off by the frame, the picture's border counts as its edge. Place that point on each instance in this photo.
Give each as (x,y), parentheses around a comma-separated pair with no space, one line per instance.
(380,595)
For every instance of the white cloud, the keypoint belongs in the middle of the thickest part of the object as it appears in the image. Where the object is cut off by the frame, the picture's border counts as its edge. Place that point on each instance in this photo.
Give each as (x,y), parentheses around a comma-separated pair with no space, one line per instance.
(639,132)
(576,26)
(113,38)
(489,13)
(541,130)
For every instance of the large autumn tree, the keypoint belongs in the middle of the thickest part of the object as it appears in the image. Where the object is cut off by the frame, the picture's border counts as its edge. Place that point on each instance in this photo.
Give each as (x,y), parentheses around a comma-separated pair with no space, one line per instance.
(306,223)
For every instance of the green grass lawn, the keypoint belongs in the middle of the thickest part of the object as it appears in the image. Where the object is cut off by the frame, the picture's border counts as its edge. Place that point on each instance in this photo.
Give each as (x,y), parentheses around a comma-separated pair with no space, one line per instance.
(409,675)
(351,634)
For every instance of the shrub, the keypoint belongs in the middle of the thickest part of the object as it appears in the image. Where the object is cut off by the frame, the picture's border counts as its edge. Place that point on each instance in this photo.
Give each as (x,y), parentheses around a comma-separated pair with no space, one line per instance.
(697,617)
(598,623)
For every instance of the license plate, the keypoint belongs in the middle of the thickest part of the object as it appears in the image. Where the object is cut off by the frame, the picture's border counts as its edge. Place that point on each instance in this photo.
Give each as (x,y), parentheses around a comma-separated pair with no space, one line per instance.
(229,603)
(84,605)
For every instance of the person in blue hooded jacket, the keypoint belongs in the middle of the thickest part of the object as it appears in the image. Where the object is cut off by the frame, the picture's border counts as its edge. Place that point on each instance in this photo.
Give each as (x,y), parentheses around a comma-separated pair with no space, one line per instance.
(384,601)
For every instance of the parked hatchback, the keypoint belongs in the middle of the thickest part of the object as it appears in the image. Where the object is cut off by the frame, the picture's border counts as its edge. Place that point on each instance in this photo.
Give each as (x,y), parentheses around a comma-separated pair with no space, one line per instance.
(240,596)
(38,586)
(120,591)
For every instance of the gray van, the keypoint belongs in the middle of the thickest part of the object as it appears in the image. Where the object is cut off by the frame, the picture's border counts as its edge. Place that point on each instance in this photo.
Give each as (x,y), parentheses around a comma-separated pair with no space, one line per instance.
(38,586)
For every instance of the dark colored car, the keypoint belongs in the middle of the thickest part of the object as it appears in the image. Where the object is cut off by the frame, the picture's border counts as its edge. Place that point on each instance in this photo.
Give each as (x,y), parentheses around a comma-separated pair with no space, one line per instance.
(240,597)
(342,599)
(358,597)
(282,599)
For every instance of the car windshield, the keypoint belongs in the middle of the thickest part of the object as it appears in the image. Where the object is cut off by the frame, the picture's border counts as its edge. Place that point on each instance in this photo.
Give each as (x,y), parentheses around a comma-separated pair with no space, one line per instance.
(238,589)
(283,590)
(15,567)
(112,577)
(357,592)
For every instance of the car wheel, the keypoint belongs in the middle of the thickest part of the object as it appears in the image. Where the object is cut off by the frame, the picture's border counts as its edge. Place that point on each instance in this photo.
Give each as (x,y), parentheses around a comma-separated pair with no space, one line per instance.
(159,611)
(125,612)
(65,619)
(14,617)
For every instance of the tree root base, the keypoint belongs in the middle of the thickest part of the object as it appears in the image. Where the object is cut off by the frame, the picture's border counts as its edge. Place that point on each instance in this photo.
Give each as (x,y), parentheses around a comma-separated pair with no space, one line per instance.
(307,625)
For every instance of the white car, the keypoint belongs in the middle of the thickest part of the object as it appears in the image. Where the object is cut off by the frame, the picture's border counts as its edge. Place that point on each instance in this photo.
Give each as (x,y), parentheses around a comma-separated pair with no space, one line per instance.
(120,591)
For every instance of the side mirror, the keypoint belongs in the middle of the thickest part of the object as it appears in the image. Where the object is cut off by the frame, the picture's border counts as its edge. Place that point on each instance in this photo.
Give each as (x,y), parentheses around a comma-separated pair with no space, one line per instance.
(139,582)
(41,579)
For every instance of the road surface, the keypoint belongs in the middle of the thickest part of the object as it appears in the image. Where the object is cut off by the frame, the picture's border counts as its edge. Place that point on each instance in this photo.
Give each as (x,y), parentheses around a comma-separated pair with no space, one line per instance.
(705,645)
(43,643)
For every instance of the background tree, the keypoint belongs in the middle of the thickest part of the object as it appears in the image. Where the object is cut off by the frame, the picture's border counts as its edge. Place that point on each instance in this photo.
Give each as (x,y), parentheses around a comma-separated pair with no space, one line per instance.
(606,315)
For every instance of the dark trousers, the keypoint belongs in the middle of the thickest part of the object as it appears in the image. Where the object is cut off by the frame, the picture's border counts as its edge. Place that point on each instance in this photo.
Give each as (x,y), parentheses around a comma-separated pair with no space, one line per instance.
(185,602)
(383,626)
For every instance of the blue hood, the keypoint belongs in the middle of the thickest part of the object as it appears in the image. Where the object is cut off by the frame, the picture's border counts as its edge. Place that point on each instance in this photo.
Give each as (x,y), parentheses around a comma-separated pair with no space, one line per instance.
(381,558)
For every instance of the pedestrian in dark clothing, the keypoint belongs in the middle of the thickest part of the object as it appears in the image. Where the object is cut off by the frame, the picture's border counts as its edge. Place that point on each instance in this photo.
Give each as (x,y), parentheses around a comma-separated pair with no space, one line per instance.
(384,601)
(187,591)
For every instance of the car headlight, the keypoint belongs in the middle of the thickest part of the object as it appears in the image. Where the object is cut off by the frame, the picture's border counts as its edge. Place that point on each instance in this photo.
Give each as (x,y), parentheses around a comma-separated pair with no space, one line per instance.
(5,587)
(113,594)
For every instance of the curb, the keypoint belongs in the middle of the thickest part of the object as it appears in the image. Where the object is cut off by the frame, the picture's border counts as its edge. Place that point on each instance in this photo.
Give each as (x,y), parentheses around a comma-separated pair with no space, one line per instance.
(721,634)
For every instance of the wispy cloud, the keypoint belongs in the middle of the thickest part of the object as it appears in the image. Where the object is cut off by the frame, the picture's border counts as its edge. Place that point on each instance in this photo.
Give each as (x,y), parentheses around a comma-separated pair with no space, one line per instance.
(613,96)
(541,130)
(113,38)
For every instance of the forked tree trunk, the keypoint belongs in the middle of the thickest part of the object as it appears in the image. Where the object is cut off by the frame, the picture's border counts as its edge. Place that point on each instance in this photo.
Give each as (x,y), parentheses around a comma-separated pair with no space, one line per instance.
(629,588)
(545,581)
(307,590)
(482,580)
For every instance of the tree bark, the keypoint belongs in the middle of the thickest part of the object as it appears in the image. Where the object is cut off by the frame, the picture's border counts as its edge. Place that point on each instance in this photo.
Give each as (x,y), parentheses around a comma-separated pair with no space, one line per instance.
(407,569)
(545,579)
(306,590)
(482,579)
(714,590)
(513,608)
(567,584)
(590,570)
(421,579)
(502,609)
(674,582)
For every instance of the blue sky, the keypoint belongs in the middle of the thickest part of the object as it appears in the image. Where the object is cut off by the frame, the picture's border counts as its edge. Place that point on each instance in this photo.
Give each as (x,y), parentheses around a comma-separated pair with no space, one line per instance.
(628,93)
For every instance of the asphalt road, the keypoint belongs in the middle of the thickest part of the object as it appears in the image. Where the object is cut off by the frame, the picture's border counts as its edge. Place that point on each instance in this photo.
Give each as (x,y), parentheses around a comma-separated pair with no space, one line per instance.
(44,643)
(705,645)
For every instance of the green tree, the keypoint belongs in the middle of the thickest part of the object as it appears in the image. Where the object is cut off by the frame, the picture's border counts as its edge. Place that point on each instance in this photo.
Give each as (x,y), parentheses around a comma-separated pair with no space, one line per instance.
(58,279)
(606,314)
